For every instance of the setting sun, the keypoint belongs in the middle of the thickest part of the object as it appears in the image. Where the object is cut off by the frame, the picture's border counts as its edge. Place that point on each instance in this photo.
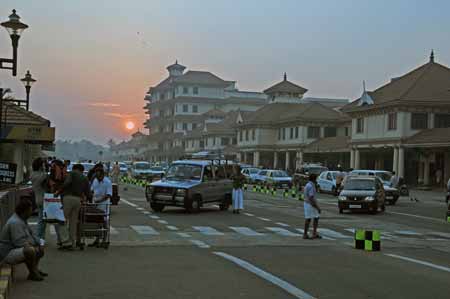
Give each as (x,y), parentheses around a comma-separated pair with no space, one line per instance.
(129,125)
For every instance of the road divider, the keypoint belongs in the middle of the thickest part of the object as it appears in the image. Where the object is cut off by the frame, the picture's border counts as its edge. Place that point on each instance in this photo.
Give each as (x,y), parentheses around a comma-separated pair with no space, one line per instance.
(369,240)
(274,192)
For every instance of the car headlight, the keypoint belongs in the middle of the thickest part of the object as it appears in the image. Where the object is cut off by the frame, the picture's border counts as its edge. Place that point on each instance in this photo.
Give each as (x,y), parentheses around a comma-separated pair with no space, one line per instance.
(181,192)
(369,198)
(342,198)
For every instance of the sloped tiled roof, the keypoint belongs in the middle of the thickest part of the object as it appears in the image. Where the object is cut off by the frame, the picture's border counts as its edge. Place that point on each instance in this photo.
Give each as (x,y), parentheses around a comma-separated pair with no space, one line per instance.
(15,115)
(427,83)
(286,86)
(430,136)
(284,112)
(329,144)
(201,77)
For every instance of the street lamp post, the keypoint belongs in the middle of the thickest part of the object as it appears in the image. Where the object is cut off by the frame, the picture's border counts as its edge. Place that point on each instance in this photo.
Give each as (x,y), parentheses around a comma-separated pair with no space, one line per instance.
(14,28)
(28,81)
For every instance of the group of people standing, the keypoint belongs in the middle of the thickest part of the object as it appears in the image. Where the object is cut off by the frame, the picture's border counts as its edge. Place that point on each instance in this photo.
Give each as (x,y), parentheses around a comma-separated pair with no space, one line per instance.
(20,244)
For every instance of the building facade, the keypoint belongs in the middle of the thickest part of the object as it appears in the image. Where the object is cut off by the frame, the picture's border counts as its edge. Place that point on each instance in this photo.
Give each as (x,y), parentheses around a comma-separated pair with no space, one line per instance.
(176,106)
(404,126)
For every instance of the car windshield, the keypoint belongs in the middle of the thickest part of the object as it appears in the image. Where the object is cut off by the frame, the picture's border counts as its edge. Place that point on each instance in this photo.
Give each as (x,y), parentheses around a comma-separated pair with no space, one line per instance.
(87,166)
(316,170)
(360,184)
(280,174)
(184,171)
(142,166)
(253,170)
(384,176)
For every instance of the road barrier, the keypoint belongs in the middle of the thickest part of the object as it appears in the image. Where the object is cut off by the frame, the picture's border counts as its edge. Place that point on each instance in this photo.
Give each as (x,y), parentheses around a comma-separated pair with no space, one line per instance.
(286,193)
(136,182)
(369,240)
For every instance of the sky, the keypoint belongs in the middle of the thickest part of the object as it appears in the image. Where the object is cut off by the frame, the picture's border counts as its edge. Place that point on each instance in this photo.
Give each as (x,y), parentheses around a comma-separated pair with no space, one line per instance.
(95,60)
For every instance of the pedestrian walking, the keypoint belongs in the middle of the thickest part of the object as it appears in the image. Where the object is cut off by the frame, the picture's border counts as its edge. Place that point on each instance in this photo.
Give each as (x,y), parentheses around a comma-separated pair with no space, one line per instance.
(311,207)
(38,180)
(102,193)
(115,172)
(75,191)
(238,192)
(18,244)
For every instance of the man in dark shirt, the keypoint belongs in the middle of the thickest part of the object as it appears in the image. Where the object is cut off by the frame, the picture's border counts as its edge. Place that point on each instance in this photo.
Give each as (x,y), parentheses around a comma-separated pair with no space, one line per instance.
(18,244)
(75,190)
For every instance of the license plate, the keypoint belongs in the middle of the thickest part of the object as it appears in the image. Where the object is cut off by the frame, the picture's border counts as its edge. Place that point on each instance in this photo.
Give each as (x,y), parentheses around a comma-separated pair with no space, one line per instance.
(354,206)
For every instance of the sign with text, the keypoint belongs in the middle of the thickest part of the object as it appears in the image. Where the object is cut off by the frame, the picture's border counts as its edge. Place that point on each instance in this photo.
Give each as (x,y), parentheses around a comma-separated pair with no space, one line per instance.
(29,133)
(8,173)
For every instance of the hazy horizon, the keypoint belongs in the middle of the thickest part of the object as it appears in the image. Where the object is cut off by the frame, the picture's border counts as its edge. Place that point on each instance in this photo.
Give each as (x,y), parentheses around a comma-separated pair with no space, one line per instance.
(94,61)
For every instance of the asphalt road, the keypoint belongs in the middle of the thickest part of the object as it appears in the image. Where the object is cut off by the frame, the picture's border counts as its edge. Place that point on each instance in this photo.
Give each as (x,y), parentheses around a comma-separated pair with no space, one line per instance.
(257,254)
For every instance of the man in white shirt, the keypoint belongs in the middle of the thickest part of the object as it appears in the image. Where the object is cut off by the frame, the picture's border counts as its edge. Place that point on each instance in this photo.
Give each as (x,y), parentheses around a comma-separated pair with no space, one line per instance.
(102,191)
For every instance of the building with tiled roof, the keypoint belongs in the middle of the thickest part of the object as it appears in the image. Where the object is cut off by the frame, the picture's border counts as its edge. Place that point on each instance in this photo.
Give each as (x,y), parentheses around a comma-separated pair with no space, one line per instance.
(403,120)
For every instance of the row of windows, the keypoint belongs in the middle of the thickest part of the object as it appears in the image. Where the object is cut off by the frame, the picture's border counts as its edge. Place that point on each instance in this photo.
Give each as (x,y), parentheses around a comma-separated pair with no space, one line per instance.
(185,108)
(224,141)
(163,95)
(419,121)
(247,135)
(312,132)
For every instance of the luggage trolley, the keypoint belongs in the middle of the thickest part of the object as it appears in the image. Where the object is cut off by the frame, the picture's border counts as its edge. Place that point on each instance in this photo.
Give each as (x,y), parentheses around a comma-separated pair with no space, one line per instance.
(94,223)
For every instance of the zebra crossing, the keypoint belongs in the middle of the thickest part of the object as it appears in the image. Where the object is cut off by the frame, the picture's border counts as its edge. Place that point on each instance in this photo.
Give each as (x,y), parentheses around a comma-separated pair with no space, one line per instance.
(280,230)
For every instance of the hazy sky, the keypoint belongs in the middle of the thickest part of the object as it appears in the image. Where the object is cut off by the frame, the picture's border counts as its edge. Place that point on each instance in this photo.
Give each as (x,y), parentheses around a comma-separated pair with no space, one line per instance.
(93,67)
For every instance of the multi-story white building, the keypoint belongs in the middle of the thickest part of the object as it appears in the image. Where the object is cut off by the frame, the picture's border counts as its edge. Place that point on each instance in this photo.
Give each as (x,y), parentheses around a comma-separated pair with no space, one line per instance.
(176,106)
(407,119)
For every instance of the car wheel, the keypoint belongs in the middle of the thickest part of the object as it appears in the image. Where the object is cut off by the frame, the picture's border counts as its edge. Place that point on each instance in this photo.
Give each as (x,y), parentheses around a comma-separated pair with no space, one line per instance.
(157,207)
(194,205)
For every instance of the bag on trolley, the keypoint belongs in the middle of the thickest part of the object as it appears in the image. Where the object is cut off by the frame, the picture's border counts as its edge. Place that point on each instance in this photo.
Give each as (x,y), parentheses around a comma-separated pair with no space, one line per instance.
(53,210)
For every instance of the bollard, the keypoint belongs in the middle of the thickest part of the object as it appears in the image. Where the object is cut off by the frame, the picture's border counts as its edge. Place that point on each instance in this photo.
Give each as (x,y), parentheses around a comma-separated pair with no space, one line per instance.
(369,240)
(301,197)
(293,193)
(245,187)
(274,191)
(285,193)
(254,188)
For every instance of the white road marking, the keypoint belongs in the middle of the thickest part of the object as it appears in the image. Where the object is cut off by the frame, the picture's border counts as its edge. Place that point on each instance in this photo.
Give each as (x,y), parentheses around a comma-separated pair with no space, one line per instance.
(439,234)
(419,262)
(207,230)
(333,234)
(184,235)
(32,223)
(264,219)
(128,203)
(246,231)
(282,224)
(140,209)
(282,232)
(144,230)
(291,289)
(436,239)
(301,230)
(171,227)
(352,230)
(200,243)
(163,221)
(154,217)
(248,214)
(416,216)
(408,233)
(113,230)
(146,213)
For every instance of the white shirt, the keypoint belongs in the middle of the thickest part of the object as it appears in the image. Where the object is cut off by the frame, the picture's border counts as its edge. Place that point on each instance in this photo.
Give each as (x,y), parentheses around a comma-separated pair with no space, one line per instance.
(101,189)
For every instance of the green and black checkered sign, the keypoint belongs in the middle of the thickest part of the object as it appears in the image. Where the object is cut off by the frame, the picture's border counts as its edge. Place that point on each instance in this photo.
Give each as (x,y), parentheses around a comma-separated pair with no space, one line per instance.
(369,240)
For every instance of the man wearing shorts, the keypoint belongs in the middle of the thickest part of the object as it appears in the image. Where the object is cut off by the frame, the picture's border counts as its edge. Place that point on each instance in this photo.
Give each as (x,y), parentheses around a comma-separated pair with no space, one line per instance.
(18,244)
(311,207)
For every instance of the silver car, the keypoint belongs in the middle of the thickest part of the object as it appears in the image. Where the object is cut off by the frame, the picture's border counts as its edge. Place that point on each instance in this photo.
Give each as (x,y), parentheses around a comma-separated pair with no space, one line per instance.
(191,184)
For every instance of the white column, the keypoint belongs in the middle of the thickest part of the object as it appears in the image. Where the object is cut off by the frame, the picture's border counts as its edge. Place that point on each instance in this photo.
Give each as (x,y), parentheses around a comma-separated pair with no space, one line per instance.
(395,161)
(275,160)
(352,158)
(239,157)
(357,159)
(256,159)
(287,160)
(299,161)
(401,163)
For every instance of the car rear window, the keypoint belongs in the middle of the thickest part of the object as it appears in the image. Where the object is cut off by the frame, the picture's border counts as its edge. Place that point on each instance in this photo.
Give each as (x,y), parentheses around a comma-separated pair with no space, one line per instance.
(360,184)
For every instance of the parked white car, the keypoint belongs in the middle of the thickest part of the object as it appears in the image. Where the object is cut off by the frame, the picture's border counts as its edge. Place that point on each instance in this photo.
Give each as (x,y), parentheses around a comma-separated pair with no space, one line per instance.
(327,181)
(250,174)
(275,178)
